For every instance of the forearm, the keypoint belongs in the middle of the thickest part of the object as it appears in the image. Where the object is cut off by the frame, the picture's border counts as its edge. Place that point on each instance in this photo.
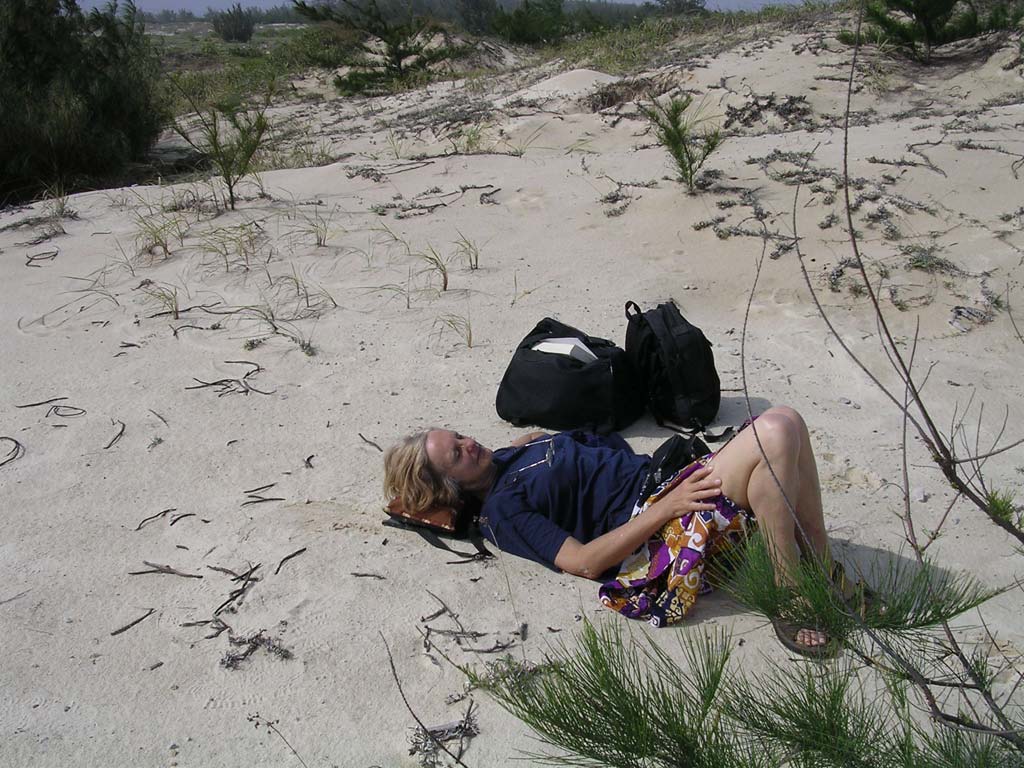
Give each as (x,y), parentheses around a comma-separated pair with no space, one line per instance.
(692,494)
(529,438)
(597,556)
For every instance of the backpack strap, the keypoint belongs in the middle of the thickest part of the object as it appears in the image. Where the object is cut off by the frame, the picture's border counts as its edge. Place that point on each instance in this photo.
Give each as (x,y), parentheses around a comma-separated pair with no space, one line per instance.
(705,434)
(482,553)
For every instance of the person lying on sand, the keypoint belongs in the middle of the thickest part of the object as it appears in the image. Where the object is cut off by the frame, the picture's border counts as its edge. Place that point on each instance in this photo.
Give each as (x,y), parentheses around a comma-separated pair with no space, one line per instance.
(576,507)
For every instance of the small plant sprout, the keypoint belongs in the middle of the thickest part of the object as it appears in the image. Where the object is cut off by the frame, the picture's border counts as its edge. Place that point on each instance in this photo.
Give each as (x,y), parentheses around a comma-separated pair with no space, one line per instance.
(516,293)
(154,232)
(396,145)
(228,135)
(318,226)
(165,296)
(467,249)
(436,262)
(461,325)
(688,144)
(469,141)
(1001,506)
(57,206)
(519,146)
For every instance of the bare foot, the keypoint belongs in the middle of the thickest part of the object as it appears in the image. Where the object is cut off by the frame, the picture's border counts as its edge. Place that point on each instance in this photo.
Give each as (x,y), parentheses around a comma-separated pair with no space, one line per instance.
(811,638)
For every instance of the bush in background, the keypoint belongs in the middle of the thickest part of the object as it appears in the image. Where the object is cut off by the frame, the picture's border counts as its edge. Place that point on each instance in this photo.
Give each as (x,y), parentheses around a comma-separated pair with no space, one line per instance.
(320,45)
(234,25)
(920,25)
(540,21)
(477,16)
(80,94)
(397,49)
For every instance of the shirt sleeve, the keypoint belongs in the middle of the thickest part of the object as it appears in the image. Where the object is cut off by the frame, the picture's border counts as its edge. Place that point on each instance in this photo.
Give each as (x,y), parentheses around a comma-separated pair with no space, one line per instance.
(522,531)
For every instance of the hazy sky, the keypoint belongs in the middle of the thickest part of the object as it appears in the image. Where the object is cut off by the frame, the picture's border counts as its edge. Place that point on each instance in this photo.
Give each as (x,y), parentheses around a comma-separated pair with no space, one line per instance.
(199,7)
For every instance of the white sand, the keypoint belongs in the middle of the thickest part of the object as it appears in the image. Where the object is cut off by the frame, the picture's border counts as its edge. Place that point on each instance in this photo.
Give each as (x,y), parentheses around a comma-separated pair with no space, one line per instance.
(84,326)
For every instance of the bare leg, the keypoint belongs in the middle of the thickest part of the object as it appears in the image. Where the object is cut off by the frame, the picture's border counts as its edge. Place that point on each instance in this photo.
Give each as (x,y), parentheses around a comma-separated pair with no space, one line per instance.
(748,481)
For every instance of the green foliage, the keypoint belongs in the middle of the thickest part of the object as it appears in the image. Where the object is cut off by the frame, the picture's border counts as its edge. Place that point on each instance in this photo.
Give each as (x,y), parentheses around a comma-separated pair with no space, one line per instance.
(911,598)
(320,45)
(609,704)
(166,16)
(679,7)
(477,16)
(395,50)
(80,94)
(678,133)
(1001,507)
(620,50)
(920,25)
(228,136)
(234,25)
(540,21)
(613,702)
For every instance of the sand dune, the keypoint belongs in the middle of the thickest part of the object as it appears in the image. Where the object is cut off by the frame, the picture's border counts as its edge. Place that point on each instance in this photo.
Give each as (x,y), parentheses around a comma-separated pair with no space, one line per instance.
(238,371)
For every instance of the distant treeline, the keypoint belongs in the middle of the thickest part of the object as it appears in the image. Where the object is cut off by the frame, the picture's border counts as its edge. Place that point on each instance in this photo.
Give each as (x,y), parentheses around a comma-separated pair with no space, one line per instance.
(472,14)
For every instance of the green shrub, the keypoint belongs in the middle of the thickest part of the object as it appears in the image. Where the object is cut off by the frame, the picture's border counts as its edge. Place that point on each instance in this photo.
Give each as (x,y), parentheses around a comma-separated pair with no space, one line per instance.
(80,94)
(680,7)
(234,25)
(321,45)
(620,50)
(477,16)
(540,21)
(396,49)
(678,133)
(920,25)
(228,136)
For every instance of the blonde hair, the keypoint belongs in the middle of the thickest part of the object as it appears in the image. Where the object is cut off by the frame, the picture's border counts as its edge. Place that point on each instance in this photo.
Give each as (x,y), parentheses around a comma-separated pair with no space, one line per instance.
(409,476)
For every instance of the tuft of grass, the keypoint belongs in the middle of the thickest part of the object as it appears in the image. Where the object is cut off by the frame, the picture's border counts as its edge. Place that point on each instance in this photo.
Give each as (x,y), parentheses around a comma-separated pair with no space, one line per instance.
(618,50)
(459,324)
(165,296)
(518,147)
(318,226)
(687,143)
(437,263)
(468,250)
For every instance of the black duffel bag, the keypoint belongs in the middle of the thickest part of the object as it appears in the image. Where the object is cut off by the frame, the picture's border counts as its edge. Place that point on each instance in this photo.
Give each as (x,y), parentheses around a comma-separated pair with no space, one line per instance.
(560,392)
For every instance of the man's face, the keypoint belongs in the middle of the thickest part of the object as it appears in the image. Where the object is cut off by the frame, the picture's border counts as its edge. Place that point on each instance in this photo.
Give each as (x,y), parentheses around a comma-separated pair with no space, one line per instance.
(461,458)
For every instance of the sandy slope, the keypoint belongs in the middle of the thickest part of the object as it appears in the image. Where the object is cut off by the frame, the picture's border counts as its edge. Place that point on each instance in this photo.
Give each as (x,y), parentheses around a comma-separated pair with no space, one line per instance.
(518,165)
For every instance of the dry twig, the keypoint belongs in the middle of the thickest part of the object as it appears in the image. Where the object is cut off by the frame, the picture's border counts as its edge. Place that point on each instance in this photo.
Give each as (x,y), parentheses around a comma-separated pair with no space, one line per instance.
(139,620)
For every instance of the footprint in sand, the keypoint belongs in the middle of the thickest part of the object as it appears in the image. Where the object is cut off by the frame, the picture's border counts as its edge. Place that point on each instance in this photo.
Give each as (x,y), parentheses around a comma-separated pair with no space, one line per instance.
(529,199)
(840,475)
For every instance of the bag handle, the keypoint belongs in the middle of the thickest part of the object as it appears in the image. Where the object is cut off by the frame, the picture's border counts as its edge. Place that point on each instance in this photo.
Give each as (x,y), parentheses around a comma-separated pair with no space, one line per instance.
(635,308)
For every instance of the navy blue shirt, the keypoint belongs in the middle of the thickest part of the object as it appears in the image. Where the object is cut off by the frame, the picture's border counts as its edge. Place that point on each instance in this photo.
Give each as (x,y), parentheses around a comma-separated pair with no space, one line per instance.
(555,488)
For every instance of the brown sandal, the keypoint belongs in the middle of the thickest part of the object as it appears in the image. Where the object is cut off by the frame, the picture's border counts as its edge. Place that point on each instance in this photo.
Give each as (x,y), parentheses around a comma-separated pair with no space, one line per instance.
(787,633)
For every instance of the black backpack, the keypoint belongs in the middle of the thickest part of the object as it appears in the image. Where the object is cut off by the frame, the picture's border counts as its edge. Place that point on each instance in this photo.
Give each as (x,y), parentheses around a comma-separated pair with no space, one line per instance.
(671,456)
(560,392)
(674,359)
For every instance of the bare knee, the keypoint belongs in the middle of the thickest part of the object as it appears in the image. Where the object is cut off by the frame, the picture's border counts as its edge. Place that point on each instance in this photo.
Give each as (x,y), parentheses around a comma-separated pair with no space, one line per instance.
(786,412)
(779,431)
